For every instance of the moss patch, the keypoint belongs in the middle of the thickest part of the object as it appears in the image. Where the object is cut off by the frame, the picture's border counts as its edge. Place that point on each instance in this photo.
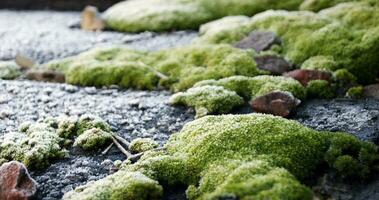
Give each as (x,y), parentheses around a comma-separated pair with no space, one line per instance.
(320,89)
(139,145)
(166,15)
(248,157)
(93,139)
(347,33)
(9,70)
(183,66)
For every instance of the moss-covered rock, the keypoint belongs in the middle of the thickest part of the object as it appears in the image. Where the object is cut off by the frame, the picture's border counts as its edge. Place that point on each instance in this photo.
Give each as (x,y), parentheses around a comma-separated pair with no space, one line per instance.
(251,156)
(355,92)
(320,89)
(347,33)
(9,70)
(121,185)
(165,15)
(93,138)
(139,145)
(183,66)
(35,145)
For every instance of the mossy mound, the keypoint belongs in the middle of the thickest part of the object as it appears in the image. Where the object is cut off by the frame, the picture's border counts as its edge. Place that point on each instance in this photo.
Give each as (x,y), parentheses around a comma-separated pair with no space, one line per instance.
(320,89)
(251,156)
(346,35)
(221,96)
(9,70)
(139,145)
(37,143)
(317,5)
(122,185)
(180,67)
(166,15)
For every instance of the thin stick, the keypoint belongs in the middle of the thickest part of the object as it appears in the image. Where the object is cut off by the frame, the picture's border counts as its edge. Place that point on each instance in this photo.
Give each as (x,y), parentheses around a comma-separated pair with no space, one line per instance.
(156,72)
(107,149)
(122,140)
(122,149)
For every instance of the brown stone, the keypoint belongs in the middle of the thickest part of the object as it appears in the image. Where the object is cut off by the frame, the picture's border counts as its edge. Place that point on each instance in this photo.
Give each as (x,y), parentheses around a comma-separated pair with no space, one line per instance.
(15,182)
(258,40)
(91,20)
(273,63)
(304,76)
(45,75)
(371,91)
(276,103)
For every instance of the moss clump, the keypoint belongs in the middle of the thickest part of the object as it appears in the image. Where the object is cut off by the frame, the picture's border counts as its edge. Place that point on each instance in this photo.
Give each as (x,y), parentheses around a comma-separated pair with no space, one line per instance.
(221,96)
(316,5)
(320,89)
(325,63)
(183,66)
(139,145)
(87,122)
(166,15)
(35,145)
(121,185)
(347,33)
(9,70)
(93,139)
(355,92)
(208,100)
(249,157)
(250,87)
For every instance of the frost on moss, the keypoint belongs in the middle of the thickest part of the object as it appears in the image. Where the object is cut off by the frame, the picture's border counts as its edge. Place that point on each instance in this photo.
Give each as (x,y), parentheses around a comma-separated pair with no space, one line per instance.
(139,145)
(208,100)
(9,70)
(252,156)
(183,66)
(166,15)
(93,139)
(35,145)
(320,89)
(347,33)
(121,185)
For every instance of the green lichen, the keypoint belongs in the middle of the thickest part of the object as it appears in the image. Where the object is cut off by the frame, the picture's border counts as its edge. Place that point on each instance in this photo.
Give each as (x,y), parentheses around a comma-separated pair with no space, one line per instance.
(93,139)
(122,185)
(347,33)
(208,100)
(252,156)
(139,145)
(183,66)
(166,15)
(9,70)
(355,92)
(35,145)
(320,89)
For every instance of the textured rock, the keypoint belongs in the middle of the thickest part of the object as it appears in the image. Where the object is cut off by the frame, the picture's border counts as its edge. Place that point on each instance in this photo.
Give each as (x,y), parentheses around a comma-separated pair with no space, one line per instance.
(276,103)
(371,91)
(258,40)
(273,63)
(46,75)
(15,182)
(304,76)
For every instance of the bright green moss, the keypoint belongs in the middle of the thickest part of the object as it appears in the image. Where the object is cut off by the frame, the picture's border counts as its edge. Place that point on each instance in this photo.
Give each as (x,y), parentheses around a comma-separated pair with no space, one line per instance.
(121,185)
(252,156)
(326,63)
(139,145)
(208,100)
(9,70)
(348,33)
(183,66)
(166,15)
(355,92)
(87,122)
(320,89)
(34,146)
(93,139)
(250,87)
